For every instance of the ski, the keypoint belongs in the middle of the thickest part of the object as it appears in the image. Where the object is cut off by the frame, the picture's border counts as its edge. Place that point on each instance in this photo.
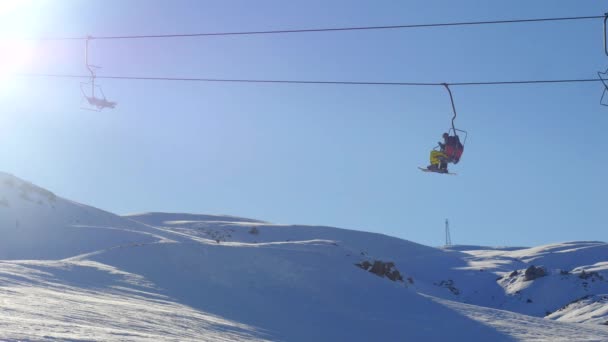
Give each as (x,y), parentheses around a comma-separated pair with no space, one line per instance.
(437,171)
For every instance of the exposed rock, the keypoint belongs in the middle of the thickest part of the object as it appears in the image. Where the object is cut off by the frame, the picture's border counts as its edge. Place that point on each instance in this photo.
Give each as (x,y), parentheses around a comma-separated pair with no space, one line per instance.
(534,272)
(216,235)
(382,269)
(394,276)
(514,274)
(449,284)
(590,275)
(364,265)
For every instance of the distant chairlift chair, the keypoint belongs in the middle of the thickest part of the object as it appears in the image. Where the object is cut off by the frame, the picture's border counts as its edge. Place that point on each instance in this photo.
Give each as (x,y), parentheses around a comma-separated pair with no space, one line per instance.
(95,103)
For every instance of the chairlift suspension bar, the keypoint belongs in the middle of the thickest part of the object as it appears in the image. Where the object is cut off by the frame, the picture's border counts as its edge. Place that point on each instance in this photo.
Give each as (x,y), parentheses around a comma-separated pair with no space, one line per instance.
(86,57)
(453,106)
(89,67)
(606,34)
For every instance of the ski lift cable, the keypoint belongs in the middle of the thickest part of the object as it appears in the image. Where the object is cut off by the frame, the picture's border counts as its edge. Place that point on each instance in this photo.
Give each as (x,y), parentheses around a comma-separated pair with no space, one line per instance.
(304,82)
(335,29)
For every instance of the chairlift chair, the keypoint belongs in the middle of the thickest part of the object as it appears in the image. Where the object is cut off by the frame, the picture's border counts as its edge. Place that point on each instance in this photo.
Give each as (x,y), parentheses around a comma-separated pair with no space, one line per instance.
(454,152)
(95,103)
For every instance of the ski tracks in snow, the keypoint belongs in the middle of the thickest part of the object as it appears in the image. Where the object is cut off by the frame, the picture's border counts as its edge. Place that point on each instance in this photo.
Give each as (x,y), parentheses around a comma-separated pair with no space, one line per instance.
(160,239)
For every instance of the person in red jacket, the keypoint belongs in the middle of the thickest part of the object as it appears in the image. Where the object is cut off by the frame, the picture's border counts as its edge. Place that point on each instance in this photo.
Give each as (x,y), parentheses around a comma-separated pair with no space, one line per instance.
(452,147)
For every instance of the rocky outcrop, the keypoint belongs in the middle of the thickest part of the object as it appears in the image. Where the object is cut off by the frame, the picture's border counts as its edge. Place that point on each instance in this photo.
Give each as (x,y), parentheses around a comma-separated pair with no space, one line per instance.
(590,275)
(382,269)
(449,284)
(534,272)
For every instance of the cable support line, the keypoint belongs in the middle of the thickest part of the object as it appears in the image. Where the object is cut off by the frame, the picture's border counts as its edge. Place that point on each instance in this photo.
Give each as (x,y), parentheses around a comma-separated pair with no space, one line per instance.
(335,29)
(443,84)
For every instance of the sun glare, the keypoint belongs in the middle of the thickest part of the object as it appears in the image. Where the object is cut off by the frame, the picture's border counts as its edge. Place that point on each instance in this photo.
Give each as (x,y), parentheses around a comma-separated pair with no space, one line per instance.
(17,15)
(17,19)
(15,58)
(14,54)
(9,5)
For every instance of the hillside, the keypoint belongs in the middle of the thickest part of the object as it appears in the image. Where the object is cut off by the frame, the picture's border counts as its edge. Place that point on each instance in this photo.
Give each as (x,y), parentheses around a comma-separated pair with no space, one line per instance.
(73,272)
(37,224)
(542,280)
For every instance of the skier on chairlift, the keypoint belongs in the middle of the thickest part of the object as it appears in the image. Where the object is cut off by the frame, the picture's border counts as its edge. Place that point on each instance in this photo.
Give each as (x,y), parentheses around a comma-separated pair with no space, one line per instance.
(439,157)
(448,151)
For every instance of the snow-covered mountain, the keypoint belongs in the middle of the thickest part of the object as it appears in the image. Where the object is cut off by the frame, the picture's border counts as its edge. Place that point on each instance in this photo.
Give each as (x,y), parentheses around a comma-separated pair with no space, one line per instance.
(37,224)
(73,272)
(542,280)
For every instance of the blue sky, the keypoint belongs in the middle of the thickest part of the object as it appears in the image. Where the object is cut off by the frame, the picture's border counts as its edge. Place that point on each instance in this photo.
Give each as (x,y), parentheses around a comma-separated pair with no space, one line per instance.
(347,156)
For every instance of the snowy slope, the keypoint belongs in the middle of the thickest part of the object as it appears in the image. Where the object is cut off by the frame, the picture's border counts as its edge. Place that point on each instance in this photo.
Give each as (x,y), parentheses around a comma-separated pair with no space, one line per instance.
(470,274)
(37,224)
(573,270)
(425,265)
(466,274)
(589,309)
(62,300)
(73,272)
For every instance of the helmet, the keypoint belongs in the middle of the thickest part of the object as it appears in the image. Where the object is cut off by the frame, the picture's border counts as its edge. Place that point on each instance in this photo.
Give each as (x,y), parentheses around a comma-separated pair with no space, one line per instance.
(445,135)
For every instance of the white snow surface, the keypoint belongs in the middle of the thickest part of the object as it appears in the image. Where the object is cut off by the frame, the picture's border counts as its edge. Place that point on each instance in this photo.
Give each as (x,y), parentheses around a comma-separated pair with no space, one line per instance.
(71,272)
(564,282)
(589,309)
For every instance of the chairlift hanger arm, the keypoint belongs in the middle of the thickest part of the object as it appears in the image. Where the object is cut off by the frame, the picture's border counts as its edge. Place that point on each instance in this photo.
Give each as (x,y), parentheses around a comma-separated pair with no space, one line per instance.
(606,34)
(453,106)
(89,66)
(86,57)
